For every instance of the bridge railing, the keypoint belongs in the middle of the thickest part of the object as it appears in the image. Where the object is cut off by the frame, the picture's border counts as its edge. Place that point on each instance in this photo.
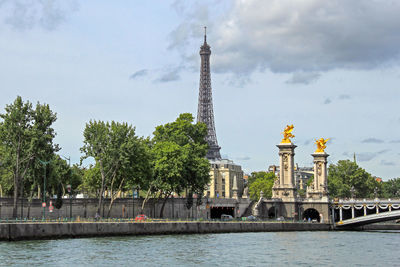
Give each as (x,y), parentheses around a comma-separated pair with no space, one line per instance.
(363,206)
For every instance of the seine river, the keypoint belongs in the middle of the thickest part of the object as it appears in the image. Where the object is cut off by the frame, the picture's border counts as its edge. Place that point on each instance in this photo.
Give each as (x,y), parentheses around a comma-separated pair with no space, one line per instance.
(235,249)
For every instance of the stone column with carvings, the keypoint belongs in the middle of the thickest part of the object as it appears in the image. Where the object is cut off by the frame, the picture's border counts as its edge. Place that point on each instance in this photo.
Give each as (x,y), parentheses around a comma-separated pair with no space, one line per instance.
(319,188)
(285,187)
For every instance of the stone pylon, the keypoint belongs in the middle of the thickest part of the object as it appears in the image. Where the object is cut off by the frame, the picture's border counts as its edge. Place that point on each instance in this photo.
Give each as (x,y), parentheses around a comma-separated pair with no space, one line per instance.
(235,188)
(319,188)
(285,186)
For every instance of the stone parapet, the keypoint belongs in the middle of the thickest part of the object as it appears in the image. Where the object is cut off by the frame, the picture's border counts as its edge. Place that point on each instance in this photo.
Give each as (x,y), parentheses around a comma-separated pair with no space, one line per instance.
(26,231)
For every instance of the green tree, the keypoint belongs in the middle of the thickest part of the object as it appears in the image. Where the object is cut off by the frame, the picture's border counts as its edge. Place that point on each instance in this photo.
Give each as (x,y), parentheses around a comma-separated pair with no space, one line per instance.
(347,174)
(26,136)
(391,188)
(261,181)
(6,175)
(75,179)
(179,152)
(118,152)
(91,181)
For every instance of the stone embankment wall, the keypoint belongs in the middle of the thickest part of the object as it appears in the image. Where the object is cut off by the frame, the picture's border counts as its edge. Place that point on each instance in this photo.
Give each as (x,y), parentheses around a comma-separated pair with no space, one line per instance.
(378,227)
(26,231)
(175,208)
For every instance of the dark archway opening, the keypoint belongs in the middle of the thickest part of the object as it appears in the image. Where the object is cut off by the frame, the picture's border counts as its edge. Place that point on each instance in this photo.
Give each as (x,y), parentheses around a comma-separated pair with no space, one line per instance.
(311,214)
(272,213)
(216,212)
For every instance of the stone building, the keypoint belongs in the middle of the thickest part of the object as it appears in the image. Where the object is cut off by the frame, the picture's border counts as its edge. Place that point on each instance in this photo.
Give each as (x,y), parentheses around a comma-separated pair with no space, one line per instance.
(226,179)
(301,174)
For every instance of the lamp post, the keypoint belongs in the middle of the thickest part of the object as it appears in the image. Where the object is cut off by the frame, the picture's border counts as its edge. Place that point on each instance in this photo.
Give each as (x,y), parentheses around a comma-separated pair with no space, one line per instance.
(69,186)
(44,163)
(133,202)
(70,201)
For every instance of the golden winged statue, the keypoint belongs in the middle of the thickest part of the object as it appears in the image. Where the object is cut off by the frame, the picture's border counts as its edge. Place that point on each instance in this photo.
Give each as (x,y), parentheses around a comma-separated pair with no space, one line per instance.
(287,134)
(321,144)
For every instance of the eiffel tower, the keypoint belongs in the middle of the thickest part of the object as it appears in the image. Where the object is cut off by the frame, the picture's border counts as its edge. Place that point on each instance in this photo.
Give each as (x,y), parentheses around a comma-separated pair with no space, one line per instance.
(205,111)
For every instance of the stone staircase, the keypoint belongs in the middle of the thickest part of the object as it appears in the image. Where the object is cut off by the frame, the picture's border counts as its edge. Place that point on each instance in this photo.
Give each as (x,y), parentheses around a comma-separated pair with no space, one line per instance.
(249,209)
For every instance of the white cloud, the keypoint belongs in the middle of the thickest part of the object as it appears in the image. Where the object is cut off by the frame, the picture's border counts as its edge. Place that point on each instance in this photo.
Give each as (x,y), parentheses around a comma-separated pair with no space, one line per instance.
(25,15)
(344,97)
(387,163)
(170,75)
(372,141)
(367,156)
(290,36)
(303,77)
(139,73)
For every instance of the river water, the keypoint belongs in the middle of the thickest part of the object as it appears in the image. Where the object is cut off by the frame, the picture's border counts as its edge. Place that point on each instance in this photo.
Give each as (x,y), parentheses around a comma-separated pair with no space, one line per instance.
(240,249)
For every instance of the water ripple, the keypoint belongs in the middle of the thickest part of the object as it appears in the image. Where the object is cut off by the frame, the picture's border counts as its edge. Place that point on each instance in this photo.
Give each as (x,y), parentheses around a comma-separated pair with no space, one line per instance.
(241,249)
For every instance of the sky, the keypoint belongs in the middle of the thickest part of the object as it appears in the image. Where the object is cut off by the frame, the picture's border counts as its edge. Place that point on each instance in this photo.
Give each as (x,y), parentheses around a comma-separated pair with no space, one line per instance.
(331,68)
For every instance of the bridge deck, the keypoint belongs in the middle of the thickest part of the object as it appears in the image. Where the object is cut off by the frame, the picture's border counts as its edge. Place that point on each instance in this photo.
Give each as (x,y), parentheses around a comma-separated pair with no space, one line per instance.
(373,218)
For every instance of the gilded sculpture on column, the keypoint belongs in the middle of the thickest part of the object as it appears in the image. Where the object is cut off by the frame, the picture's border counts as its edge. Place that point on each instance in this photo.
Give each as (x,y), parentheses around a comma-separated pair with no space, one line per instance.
(321,145)
(287,134)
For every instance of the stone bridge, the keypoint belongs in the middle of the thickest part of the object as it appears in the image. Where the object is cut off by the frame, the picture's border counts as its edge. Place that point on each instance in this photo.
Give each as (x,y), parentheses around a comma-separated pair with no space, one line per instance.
(316,205)
(357,212)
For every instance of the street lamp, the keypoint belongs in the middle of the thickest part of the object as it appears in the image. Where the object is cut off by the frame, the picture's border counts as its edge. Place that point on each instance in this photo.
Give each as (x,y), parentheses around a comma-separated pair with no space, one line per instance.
(44,186)
(133,202)
(69,186)
(69,160)
(70,201)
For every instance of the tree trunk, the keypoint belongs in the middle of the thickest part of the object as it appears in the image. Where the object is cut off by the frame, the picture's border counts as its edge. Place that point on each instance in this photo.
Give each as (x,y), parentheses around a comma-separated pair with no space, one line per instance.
(15,196)
(22,198)
(110,205)
(163,205)
(16,183)
(101,189)
(114,197)
(30,203)
(145,199)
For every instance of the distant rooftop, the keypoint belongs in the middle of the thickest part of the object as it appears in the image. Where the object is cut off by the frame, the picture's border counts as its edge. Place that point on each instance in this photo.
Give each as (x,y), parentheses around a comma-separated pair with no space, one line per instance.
(222,161)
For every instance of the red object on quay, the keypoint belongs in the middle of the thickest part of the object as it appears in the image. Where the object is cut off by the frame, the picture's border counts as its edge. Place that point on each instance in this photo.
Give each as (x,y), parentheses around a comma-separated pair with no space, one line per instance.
(140,217)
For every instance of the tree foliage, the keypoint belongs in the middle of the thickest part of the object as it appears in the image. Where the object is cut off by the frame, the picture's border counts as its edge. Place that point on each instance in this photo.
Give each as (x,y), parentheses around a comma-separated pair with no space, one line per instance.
(26,136)
(261,181)
(119,155)
(347,174)
(91,181)
(179,157)
(391,188)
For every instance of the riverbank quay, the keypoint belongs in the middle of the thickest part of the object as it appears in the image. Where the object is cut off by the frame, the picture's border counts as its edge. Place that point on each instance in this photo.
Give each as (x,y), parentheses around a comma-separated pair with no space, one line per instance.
(374,227)
(51,230)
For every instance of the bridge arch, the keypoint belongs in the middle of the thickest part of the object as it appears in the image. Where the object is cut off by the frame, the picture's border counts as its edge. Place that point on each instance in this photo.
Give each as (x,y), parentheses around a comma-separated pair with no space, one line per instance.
(312,214)
(272,212)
